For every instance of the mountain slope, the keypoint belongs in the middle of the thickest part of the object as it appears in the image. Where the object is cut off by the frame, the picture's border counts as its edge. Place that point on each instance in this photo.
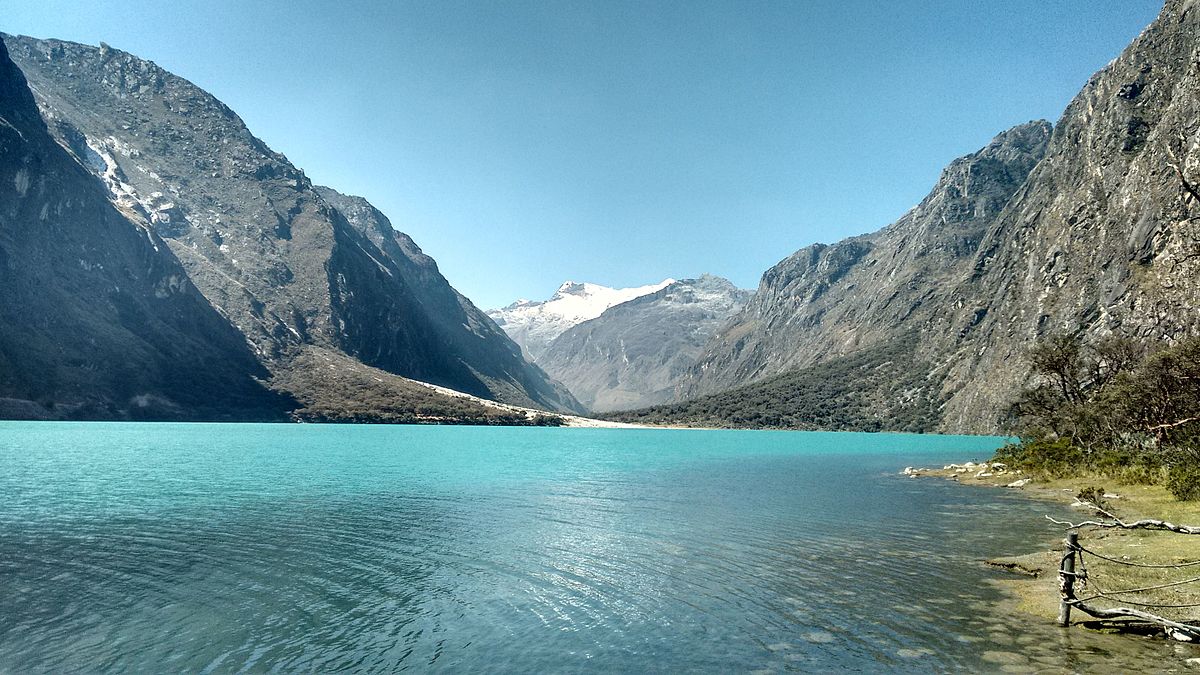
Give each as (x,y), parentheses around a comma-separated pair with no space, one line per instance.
(256,237)
(635,352)
(97,317)
(885,387)
(1101,237)
(1104,238)
(535,324)
(460,329)
(825,302)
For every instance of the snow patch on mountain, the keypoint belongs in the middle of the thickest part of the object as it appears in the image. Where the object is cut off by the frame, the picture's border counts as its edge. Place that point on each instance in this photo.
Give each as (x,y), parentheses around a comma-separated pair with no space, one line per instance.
(534,324)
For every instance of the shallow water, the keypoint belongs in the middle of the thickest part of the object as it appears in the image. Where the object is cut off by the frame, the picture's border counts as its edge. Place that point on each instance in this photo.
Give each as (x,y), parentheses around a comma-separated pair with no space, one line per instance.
(232,548)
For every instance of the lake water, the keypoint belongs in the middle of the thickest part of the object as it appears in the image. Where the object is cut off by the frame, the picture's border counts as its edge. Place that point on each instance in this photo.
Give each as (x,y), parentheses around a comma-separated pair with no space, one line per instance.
(249,548)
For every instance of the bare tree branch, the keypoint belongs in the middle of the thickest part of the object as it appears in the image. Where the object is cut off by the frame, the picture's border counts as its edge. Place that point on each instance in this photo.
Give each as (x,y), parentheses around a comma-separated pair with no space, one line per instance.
(1172,425)
(1191,632)
(1144,524)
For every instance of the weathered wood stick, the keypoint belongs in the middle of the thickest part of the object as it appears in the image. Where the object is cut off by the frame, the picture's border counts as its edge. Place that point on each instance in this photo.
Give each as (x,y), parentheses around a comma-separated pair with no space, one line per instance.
(1192,632)
(1145,523)
(1066,579)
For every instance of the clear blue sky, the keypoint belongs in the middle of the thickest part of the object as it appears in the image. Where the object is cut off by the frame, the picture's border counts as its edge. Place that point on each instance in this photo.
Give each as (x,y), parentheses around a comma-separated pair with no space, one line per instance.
(525,143)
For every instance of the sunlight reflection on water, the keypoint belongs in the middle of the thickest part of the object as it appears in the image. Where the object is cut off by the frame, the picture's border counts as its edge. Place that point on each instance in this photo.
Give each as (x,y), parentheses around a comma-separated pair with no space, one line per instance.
(222,548)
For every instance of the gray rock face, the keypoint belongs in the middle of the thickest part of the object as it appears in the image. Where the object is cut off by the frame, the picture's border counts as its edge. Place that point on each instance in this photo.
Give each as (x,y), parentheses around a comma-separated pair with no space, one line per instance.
(1104,238)
(1100,237)
(98,319)
(466,338)
(270,252)
(635,353)
(823,302)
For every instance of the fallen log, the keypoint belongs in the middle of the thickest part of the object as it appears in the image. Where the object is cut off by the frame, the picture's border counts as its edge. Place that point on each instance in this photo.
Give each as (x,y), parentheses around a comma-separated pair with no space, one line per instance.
(1188,632)
(1144,523)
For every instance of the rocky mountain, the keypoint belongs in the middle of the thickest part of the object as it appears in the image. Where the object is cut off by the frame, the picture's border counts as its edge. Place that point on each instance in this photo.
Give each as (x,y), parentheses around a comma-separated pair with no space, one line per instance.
(885,387)
(824,302)
(466,337)
(1103,238)
(291,267)
(98,318)
(535,324)
(635,353)
(1090,228)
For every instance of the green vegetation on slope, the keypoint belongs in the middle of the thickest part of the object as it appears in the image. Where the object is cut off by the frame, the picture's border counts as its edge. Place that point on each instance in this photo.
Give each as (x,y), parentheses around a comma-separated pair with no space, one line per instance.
(1113,409)
(883,388)
(335,388)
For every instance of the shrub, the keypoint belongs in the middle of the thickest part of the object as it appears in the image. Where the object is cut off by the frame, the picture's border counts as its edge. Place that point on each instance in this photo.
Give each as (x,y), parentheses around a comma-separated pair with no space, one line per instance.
(1043,457)
(1128,466)
(1093,495)
(882,387)
(1112,409)
(1183,480)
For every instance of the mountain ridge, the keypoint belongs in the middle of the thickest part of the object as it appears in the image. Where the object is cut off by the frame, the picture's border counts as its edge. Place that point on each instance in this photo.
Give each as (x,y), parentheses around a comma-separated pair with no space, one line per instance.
(220,246)
(829,301)
(99,318)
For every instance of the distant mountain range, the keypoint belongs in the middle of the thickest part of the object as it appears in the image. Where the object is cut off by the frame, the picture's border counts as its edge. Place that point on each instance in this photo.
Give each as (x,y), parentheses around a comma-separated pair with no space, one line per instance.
(265,270)
(634,352)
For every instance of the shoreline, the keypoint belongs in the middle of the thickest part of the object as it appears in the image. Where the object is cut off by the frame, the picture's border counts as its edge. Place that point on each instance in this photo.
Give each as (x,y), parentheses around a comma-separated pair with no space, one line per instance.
(1029,582)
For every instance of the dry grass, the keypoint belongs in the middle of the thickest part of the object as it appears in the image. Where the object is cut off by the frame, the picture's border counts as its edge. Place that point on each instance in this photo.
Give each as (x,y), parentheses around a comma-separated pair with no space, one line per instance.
(1143,547)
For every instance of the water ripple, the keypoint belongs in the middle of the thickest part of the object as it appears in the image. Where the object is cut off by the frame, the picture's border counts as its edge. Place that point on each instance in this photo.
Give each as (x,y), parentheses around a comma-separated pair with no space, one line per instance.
(219,549)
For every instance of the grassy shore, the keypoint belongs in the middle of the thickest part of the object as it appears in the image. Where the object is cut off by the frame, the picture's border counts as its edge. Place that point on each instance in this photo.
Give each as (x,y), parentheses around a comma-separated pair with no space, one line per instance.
(1035,590)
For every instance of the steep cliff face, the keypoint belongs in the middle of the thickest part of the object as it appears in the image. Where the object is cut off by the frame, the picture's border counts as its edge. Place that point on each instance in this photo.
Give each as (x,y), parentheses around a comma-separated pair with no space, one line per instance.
(823,302)
(98,319)
(467,340)
(635,353)
(1102,236)
(254,235)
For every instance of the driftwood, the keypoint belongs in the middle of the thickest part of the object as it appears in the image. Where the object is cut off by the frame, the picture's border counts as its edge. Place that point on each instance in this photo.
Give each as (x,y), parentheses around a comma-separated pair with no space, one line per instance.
(1067,576)
(1177,631)
(1172,425)
(1144,523)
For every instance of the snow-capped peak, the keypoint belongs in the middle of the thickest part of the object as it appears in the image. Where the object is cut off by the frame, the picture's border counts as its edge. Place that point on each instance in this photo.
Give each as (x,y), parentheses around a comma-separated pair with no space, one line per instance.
(534,325)
(570,287)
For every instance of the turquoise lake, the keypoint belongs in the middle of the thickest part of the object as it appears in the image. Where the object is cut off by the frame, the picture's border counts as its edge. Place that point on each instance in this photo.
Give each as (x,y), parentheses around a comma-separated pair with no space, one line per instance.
(317,548)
